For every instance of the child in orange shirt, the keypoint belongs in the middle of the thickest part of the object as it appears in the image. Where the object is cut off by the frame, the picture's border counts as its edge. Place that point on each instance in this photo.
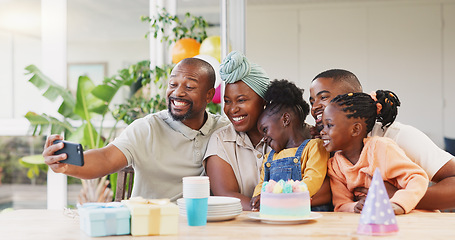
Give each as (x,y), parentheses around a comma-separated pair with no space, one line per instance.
(347,121)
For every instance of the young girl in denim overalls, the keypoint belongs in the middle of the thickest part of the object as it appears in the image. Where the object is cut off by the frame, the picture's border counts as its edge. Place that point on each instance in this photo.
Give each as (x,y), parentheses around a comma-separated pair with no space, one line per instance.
(294,156)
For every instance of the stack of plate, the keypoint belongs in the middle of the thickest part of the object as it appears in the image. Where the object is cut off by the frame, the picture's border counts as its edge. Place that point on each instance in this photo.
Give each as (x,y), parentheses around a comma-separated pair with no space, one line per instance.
(219,208)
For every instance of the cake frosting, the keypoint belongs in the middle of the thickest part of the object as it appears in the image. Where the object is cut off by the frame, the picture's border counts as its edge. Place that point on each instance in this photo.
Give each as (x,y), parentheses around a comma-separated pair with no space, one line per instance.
(284,200)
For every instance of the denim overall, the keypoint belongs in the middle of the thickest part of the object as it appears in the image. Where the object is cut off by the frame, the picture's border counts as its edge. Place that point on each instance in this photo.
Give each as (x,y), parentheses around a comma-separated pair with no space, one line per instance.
(286,168)
(290,168)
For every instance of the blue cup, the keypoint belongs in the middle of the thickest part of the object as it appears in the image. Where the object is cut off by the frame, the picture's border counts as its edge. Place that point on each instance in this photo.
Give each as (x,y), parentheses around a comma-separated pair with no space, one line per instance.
(196,211)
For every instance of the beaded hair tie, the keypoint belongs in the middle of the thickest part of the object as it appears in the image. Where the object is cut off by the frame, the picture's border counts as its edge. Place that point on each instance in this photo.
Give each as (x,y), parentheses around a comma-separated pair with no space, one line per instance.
(378,105)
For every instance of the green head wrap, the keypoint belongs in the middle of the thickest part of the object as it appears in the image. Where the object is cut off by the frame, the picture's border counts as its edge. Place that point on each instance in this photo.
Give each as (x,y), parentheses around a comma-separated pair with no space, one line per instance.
(236,67)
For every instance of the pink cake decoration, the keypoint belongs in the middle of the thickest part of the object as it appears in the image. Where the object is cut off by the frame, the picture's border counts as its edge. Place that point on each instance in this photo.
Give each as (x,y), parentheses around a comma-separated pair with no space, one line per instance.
(378,217)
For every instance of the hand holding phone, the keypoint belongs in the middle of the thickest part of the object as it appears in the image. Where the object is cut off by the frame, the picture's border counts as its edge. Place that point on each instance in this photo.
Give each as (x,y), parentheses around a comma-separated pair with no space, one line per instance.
(74,153)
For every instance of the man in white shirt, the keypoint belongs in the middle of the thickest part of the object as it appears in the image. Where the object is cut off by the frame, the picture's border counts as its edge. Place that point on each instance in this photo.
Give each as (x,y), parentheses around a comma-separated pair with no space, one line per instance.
(437,163)
(162,147)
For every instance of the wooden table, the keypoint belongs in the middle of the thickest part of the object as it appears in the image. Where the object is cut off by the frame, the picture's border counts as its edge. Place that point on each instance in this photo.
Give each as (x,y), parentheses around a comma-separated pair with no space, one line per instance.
(54,224)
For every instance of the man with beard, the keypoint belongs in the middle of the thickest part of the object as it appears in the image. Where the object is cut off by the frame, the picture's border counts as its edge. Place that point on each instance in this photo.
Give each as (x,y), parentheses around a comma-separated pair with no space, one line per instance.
(162,147)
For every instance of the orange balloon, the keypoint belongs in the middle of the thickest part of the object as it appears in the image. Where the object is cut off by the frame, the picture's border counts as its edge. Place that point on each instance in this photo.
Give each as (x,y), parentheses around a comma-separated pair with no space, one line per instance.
(185,48)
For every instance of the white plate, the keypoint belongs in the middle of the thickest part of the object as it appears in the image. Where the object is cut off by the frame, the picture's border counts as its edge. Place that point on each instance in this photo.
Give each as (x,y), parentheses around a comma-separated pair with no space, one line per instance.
(183,213)
(217,209)
(216,201)
(313,216)
(215,218)
(228,209)
(221,218)
(224,212)
(220,207)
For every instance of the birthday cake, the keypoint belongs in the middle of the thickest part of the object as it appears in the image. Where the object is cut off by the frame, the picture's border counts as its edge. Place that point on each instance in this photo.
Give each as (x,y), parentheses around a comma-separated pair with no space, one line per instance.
(284,200)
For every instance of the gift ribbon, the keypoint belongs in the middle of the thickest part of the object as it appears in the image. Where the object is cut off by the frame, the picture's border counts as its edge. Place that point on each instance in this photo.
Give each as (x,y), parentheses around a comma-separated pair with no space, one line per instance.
(141,200)
(110,223)
(102,205)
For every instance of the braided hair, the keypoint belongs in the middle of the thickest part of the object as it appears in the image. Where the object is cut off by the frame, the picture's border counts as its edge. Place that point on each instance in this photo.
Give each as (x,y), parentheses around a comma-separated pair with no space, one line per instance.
(285,94)
(362,105)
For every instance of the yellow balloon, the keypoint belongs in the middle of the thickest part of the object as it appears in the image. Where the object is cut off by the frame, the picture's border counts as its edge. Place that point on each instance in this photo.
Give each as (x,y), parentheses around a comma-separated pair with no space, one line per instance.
(211,46)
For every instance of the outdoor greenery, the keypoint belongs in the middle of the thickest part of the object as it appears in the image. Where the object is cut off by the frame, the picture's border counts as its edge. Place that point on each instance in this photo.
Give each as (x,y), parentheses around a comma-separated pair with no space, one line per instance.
(12,149)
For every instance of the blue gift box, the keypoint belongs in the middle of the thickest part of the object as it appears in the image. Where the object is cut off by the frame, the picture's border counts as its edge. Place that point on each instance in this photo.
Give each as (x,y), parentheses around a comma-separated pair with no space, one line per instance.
(104,219)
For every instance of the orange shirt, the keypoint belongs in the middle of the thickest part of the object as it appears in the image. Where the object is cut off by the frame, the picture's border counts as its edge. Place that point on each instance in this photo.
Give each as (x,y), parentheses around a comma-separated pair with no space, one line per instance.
(396,168)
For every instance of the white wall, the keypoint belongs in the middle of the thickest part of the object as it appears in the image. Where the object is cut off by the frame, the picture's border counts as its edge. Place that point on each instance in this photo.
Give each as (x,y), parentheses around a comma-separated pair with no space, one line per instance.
(448,73)
(6,73)
(27,51)
(16,52)
(117,54)
(272,40)
(404,46)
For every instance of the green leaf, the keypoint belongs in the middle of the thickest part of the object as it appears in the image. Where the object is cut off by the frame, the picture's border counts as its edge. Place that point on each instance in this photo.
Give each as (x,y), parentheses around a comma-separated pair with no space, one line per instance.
(30,174)
(41,81)
(67,110)
(90,130)
(190,26)
(35,170)
(86,135)
(100,109)
(34,159)
(78,136)
(43,122)
(34,163)
(85,101)
(38,82)
(126,77)
(43,167)
(113,181)
(52,93)
(104,92)
(59,127)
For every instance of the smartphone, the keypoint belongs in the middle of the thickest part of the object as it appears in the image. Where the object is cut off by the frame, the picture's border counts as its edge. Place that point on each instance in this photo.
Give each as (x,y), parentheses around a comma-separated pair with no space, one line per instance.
(74,153)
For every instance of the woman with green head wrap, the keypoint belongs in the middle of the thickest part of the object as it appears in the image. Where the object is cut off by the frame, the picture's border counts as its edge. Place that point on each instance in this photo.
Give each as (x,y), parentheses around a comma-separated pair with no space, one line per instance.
(234,153)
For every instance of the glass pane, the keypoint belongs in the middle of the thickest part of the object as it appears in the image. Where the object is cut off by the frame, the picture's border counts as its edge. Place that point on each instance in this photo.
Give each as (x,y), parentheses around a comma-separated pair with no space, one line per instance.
(20,45)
